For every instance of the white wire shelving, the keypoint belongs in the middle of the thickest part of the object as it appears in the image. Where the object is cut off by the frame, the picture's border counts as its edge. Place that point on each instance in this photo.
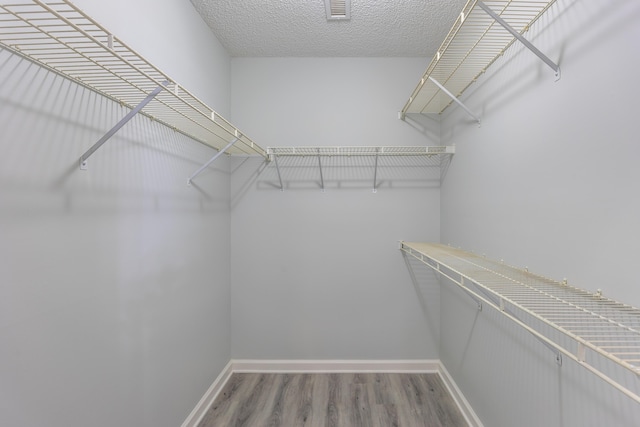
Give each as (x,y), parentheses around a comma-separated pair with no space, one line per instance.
(60,37)
(428,150)
(480,34)
(432,156)
(574,323)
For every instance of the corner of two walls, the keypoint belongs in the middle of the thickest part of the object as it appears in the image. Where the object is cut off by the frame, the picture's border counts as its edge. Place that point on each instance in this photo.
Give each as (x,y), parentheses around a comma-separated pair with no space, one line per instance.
(548,181)
(114,304)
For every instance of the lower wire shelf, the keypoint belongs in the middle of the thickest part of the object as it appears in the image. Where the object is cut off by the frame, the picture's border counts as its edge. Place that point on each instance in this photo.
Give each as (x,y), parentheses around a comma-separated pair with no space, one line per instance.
(575,323)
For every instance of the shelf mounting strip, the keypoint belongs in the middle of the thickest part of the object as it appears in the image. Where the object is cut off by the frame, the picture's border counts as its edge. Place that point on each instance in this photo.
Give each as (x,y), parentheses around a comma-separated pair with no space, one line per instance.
(472,45)
(593,325)
(273,153)
(63,39)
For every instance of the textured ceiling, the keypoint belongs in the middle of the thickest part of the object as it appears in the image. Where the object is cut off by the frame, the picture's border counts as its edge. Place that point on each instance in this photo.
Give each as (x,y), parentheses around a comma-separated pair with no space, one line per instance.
(300,28)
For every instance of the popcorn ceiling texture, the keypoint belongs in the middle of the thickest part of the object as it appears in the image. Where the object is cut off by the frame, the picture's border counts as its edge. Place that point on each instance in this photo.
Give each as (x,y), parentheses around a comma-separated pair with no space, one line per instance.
(382,28)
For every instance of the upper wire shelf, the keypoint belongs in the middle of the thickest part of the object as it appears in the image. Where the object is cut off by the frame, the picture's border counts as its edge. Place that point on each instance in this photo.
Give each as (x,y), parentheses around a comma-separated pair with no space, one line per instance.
(362,151)
(474,42)
(62,38)
(591,325)
(332,157)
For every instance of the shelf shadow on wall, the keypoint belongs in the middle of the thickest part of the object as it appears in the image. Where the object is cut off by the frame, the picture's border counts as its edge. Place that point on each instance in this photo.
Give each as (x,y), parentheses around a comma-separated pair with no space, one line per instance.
(427,287)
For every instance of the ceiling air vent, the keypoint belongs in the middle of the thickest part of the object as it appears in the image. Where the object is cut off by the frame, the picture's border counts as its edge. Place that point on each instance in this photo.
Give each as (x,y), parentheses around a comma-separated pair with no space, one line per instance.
(338,9)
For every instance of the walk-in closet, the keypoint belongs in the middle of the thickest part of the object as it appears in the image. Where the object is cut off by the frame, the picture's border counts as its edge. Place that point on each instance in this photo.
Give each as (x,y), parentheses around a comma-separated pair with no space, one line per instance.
(319,213)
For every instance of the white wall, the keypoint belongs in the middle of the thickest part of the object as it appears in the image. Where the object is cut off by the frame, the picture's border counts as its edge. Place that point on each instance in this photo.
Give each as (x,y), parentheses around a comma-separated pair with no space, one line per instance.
(548,181)
(319,275)
(114,282)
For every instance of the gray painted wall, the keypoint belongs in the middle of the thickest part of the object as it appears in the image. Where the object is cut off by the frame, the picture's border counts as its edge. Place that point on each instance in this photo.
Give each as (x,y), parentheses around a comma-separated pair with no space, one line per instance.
(548,181)
(114,282)
(319,275)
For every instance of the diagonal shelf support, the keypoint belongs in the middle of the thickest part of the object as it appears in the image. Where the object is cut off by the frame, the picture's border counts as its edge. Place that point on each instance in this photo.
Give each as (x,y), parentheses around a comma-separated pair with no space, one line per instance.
(522,40)
(211,160)
(455,99)
(375,172)
(119,125)
(321,176)
(275,160)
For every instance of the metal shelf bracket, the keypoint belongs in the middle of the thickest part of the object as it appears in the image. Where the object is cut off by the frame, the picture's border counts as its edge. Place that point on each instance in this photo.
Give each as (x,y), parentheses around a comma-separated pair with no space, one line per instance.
(211,160)
(119,125)
(275,160)
(375,171)
(320,166)
(455,99)
(522,40)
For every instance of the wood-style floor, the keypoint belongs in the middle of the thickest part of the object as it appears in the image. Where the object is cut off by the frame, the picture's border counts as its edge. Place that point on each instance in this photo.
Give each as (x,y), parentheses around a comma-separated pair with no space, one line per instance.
(326,400)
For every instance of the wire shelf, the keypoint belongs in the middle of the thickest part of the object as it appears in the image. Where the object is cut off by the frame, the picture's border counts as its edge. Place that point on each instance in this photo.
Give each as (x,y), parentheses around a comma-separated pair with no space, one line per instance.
(606,327)
(362,151)
(61,38)
(359,160)
(474,42)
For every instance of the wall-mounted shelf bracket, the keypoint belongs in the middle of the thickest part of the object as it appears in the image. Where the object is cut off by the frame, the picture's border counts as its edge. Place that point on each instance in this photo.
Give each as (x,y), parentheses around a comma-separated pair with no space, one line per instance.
(275,160)
(119,125)
(455,99)
(521,38)
(321,176)
(211,160)
(501,304)
(375,171)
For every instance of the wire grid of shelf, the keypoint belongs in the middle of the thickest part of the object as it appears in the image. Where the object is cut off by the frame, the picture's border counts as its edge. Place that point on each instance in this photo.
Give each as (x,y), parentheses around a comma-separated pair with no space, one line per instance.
(60,37)
(474,42)
(607,327)
(362,151)
(338,164)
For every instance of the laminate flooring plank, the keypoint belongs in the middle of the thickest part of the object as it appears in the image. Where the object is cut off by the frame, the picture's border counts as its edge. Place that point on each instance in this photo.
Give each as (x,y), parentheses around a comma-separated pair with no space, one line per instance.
(320,400)
(334,400)
(297,401)
(424,407)
(384,416)
(359,408)
(336,397)
(391,394)
(225,405)
(253,401)
(442,402)
(277,408)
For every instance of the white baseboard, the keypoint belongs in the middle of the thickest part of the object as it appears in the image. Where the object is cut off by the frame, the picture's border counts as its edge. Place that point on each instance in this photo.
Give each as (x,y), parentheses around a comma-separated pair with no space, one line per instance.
(210,395)
(330,366)
(463,403)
